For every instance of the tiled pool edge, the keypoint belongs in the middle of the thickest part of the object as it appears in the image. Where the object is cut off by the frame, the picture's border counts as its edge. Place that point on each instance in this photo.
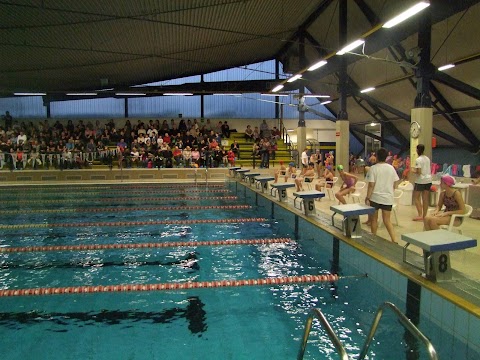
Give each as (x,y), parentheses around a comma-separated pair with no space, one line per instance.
(445,309)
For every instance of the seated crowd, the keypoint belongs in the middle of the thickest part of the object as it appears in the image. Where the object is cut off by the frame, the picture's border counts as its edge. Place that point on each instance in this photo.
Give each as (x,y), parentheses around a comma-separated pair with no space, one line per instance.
(144,144)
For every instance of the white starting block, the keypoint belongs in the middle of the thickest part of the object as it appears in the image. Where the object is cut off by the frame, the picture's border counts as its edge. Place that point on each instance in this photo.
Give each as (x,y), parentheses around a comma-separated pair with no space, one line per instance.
(250,177)
(281,190)
(436,246)
(231,170)
(240,173)
(262,181)
(351,224)
(307,200)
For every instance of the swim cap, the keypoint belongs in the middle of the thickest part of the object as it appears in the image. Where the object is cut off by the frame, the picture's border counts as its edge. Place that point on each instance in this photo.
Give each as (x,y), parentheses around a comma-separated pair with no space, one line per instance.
(339,167)
(281,162)
(448,180)
(292,164)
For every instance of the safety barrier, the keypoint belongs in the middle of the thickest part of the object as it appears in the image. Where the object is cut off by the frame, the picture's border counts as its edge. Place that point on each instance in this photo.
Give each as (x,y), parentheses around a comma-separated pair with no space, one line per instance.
(305,279)
(134,223)
(90,247)
(143,208)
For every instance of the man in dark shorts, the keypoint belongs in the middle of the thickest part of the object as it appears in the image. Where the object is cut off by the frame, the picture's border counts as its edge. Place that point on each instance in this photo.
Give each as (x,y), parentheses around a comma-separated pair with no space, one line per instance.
(381,180)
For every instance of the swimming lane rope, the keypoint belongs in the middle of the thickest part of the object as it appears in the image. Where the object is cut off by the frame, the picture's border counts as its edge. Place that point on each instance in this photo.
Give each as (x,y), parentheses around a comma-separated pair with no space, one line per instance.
(134,192)
(136,223)
(305,279)
(110,200)
(115,187)
(143,208)
(145,245)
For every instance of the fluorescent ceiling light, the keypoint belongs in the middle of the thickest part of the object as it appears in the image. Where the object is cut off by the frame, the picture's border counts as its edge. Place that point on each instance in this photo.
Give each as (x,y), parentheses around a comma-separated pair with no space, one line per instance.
(81,94)
(367,90)
(29,94)
(351,46)
(130,94)
(274,94)
(446,67)
(295,77)
(316,96)
(290,130)
(326,102)
(178,94)
(228,94)
(109,89)
(277,88)
(317,65)
(373,124)
(406,14)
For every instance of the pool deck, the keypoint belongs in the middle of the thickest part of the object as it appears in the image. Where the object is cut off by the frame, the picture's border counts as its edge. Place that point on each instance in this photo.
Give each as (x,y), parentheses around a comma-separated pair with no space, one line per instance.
(464,290)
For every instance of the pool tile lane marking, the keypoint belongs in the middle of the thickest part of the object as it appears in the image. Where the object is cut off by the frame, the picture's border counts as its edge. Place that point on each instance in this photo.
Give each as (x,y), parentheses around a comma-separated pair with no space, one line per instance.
(133,223)
(305,279)
(145,245)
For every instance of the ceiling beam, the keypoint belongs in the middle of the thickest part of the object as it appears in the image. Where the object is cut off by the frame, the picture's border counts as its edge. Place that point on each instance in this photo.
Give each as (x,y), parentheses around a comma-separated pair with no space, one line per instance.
(460,125)
(303,27)
(458,85)
(382,38)
(386,141)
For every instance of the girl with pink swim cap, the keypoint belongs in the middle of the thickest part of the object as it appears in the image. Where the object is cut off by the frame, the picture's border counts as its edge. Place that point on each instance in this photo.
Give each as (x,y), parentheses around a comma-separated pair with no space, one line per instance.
(453,202)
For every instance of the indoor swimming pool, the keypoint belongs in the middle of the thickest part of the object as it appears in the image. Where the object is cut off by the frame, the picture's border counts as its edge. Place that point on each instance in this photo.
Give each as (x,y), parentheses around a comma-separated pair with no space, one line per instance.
(185,271)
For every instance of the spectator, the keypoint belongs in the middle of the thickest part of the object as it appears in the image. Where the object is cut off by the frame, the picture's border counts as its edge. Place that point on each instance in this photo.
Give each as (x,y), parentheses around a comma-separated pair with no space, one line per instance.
(248,133)
(235,147)
(225,130)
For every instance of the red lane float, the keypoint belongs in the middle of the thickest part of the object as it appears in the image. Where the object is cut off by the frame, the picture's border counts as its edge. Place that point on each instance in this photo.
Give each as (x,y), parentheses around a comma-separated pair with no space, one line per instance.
(134,223)
(54,201)
(169,191)
(144,245)
(305,279)
(143,208)
(114,187)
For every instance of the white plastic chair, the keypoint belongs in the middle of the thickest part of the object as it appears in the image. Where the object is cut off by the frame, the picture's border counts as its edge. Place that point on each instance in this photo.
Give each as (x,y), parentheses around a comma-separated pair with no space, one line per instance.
(309,182)
(330,192)
(458,228)
(360,185)
(397,194)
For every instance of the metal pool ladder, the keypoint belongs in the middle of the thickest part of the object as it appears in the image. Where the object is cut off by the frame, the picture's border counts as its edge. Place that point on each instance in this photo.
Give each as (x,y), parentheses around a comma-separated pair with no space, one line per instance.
(407,324)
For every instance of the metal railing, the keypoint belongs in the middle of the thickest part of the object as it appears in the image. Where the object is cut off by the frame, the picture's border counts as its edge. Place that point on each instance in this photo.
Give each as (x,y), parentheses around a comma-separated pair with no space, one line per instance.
(316,313)
(407,324)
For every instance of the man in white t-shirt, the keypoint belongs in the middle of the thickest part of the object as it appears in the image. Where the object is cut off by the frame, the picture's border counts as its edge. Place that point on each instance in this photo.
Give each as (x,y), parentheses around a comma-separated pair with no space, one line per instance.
(381,181)
(305,159)
(423,183)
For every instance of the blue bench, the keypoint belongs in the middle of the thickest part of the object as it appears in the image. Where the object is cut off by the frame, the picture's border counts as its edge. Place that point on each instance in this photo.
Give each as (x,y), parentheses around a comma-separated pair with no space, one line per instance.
(436,246)
(351,225)
(262,181)
(307,200)
(281,190)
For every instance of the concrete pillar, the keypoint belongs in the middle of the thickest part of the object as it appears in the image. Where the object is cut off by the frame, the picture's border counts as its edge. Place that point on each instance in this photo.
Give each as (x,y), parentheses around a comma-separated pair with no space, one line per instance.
(342,143)
(424,117)
(301,140)
(301,129)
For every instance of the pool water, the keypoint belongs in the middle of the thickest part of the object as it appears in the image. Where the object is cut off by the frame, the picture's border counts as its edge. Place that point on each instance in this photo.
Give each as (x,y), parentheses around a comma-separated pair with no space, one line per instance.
(254,322)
